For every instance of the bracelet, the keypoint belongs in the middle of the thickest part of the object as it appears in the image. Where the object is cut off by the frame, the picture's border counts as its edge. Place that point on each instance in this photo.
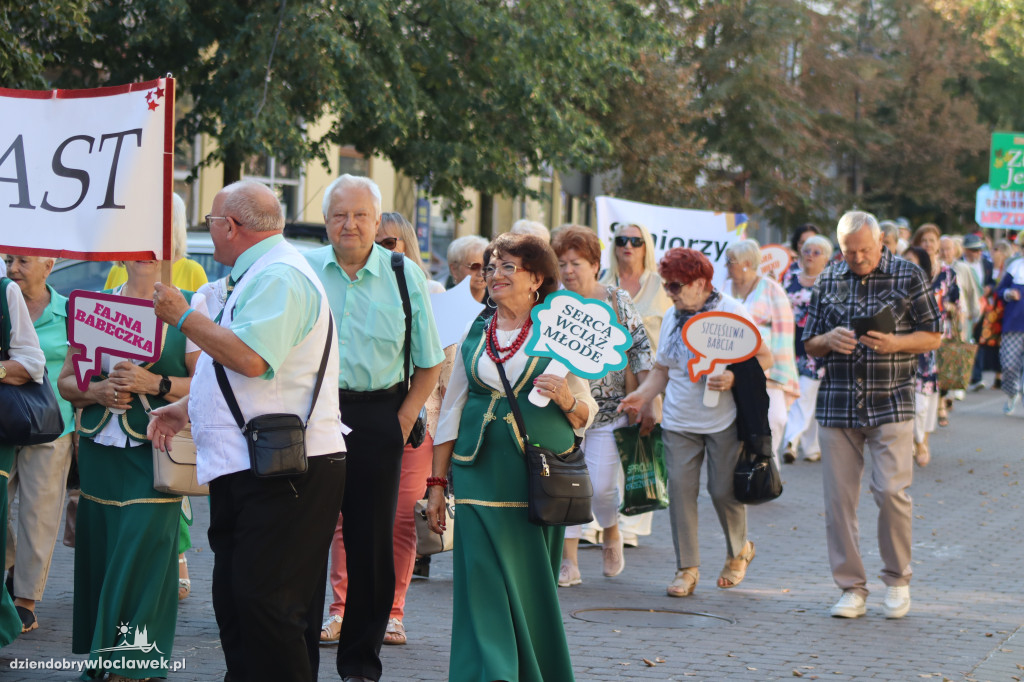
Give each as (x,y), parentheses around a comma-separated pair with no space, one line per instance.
(572,409)
(438,481)
(184,315)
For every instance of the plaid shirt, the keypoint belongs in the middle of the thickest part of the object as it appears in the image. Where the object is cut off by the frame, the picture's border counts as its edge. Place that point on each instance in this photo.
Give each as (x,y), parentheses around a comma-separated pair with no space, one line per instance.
(866,388)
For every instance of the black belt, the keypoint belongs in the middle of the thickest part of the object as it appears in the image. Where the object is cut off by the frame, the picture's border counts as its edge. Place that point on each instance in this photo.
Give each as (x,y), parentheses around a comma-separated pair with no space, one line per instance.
(347,396)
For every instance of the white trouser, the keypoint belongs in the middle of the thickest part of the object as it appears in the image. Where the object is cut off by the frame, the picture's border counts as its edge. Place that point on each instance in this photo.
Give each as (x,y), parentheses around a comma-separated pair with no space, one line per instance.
(603,463)
(926,414)
(801,426)
(776,417)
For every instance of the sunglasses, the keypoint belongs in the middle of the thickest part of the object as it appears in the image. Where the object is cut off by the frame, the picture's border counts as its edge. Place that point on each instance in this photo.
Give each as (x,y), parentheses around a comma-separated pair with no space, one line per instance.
(673,287)
(390,243)
(636,242)
(812,252)
(473,267)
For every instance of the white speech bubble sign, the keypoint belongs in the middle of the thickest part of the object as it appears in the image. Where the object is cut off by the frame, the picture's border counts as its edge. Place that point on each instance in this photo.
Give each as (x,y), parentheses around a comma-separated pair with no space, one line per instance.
(774,261)
(582,334)
(718,339)
(105,324)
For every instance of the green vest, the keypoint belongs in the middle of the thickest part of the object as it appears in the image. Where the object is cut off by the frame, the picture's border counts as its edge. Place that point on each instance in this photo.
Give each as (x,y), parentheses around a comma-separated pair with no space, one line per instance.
(135,420)
(547,425)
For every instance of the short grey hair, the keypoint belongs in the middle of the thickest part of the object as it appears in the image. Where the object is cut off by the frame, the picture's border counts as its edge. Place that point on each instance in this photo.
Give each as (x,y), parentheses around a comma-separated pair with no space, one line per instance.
(1003,246)
(347,181)
(822,242)
(531,227)
(254,206)
(853,221)
(746,251)
(460,248)
(890,229)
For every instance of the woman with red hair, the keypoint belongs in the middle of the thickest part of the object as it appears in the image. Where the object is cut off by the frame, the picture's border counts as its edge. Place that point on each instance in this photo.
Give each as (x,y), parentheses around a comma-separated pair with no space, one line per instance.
(692,431)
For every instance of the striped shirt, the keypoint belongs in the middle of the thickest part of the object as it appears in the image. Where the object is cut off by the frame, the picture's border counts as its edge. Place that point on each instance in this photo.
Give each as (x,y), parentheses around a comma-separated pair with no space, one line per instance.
(865,388)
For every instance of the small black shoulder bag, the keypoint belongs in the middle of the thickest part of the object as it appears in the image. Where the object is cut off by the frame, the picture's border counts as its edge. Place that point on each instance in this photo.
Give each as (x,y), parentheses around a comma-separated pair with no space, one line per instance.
(276,442)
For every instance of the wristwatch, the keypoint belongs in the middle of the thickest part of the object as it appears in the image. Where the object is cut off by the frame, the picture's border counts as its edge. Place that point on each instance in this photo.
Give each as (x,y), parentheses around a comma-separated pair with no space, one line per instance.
(165,386)
(3,372)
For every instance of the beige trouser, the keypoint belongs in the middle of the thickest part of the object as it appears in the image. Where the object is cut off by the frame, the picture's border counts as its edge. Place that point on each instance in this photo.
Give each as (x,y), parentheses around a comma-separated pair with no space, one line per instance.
(39,477)
(842,457)
(684,454)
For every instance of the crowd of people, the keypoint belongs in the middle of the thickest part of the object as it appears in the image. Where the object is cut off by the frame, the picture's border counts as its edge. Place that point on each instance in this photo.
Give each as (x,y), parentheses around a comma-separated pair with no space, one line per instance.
(345,336)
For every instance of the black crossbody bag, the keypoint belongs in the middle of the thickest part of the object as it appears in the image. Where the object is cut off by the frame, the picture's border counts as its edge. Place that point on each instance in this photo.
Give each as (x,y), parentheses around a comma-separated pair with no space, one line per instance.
(419,429)
(559,486)
(276,442)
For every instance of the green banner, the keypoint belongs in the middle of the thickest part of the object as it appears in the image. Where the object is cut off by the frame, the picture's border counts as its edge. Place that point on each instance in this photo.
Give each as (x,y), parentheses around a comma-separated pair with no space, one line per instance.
(1006,168)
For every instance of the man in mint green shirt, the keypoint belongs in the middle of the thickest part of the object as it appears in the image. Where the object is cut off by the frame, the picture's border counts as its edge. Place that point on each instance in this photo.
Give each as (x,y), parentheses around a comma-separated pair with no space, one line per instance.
(364,296)
(40,472)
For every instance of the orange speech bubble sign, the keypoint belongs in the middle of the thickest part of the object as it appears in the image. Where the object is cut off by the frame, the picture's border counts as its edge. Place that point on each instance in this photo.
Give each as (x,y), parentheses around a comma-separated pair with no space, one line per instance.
(774,261)
(718,339)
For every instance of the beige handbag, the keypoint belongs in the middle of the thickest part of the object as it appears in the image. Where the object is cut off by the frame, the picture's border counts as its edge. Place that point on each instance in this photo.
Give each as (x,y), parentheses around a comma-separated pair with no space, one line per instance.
(174,472)
(427,541)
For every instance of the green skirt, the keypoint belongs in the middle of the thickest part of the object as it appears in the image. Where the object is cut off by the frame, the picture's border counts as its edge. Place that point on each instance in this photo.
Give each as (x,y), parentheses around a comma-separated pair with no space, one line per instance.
(507,622)
(10,622)
(126,563)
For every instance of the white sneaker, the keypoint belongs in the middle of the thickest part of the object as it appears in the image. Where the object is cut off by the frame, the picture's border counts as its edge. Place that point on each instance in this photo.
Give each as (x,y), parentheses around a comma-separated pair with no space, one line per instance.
(897,601)
(569,575)
(850,605)
(1011,404)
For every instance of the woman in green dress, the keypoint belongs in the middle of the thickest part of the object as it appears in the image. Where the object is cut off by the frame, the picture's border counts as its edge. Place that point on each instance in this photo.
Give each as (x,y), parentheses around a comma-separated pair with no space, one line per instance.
(500,557)
(126,568)
(22,361)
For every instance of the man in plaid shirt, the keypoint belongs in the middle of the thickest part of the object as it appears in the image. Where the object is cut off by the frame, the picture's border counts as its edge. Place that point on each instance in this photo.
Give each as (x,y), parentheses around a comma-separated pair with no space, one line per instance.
(867,397)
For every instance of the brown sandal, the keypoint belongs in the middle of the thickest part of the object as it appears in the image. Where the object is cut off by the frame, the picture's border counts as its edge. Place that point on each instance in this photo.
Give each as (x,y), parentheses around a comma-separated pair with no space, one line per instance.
(736,568)
(685,582)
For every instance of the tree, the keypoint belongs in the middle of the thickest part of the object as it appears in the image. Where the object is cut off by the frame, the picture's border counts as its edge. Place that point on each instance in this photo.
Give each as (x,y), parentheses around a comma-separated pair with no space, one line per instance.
(27,31)
(456,93)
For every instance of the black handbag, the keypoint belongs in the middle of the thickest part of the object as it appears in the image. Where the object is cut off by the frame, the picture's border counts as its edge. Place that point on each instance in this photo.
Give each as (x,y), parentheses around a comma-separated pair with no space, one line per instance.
(276,442)
(559,487)
(756,478)
(419,429)
(30,414)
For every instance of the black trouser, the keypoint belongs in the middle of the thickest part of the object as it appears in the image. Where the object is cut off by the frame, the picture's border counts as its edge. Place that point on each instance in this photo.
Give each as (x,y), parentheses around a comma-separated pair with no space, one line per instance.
(368,519)
(270,538)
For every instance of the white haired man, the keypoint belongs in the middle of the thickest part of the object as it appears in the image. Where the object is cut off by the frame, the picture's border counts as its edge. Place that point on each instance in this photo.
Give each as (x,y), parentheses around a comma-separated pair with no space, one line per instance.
(867,397)
(364,294)
(269,536)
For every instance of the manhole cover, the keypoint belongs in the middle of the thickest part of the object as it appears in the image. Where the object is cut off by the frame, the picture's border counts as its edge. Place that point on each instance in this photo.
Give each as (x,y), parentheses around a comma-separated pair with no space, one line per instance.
(651,618)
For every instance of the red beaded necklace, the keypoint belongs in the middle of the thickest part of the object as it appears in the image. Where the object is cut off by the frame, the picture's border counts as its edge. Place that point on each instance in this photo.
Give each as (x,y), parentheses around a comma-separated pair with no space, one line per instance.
(492,340)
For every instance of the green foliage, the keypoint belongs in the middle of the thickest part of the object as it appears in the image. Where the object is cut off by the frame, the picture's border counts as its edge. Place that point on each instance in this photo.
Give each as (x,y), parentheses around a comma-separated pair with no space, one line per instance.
(27,34)
(456,93)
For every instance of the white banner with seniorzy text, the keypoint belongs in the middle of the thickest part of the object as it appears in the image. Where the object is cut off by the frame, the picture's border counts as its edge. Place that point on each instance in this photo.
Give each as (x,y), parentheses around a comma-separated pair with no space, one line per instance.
(87,174)
(706,231)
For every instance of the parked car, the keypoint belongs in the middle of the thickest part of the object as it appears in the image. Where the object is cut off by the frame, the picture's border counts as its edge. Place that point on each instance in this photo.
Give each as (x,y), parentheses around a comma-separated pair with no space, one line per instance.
(69,274)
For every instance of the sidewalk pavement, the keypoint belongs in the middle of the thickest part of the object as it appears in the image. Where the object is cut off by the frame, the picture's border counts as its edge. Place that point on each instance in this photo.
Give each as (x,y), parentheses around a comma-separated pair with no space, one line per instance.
(966,621)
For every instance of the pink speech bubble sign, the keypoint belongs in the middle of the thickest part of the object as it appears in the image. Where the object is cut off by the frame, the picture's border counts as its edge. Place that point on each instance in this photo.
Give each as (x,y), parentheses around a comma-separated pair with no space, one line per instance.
(105,324)
(774,261)
(718,339)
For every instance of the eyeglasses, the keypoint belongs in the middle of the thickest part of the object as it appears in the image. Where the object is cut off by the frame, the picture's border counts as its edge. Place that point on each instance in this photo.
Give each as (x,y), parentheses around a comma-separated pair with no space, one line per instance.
(812,252)
(732,262)
(472,267)
(390,243)
(506,269)
(636,242)
(673,287)
(208,219)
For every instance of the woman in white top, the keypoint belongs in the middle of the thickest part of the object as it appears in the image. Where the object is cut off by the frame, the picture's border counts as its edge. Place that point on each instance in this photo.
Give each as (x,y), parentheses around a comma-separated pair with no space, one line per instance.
(693,432)
(633,268)
(23,361)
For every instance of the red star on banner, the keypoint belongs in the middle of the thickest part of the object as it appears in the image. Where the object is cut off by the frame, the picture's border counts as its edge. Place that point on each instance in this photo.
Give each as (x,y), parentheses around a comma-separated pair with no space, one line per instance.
(153,106)
(149,96)
(159,93)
